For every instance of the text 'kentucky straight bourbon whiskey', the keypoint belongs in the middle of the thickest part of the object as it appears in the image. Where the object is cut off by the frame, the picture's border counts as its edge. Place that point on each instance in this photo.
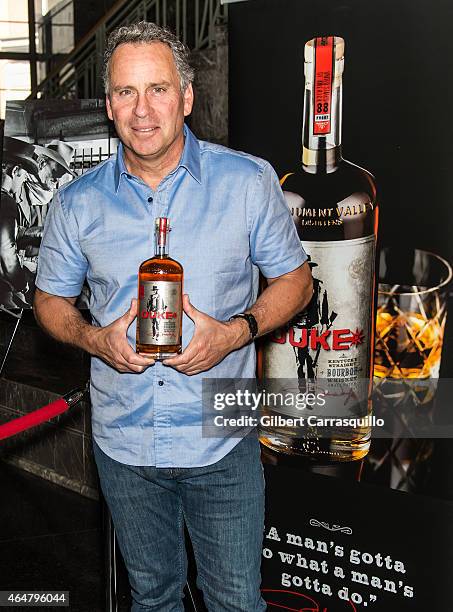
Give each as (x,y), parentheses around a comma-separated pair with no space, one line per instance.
(328,346)
(159,317)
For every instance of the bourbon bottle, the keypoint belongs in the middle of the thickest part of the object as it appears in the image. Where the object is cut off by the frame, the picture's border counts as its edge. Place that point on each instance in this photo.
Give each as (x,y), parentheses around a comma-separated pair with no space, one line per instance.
(159,320)
(329,345)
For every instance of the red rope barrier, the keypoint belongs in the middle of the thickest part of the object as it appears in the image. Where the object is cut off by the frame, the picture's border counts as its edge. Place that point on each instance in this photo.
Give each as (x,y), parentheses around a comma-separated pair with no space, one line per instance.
(34,418)
(41,415)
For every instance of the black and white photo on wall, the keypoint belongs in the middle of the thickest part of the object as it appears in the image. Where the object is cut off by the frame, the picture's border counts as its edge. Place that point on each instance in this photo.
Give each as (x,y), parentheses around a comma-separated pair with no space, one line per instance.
(47,143)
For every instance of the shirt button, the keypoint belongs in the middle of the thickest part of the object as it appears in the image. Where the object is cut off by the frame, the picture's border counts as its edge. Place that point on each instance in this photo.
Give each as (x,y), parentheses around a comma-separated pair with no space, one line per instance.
(161,382)
(150,199)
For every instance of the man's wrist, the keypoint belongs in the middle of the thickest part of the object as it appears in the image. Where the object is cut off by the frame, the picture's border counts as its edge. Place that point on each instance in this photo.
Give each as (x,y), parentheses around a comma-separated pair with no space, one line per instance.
(240,332)
(251,322)
(90,336)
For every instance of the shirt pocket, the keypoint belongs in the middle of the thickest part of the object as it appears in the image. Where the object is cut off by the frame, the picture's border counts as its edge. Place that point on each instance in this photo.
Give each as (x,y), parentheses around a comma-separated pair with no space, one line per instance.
(232,293)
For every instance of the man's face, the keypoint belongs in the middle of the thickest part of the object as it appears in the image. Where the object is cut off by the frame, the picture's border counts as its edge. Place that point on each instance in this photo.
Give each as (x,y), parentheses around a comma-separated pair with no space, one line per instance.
(146,103)
(18,177)
(49,172)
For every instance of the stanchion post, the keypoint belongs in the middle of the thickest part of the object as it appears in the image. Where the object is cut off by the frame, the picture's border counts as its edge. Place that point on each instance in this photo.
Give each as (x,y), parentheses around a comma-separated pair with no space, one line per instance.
(11,340)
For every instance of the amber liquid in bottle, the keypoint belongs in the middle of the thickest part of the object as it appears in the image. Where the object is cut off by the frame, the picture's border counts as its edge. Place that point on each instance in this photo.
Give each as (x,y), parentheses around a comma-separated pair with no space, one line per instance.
(159,317)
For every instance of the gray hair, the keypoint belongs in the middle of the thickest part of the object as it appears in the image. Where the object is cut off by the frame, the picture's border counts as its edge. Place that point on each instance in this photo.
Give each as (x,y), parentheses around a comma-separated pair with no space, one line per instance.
(145,32)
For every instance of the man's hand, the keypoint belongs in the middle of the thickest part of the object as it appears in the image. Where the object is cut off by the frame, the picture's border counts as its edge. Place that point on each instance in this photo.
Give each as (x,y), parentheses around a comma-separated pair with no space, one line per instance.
(212,341)
(64,322)
(111,344)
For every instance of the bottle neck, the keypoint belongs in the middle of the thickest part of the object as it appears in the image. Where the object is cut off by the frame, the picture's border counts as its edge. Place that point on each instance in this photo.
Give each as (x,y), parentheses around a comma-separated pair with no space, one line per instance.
(321,133)
(161,244)
(161,252)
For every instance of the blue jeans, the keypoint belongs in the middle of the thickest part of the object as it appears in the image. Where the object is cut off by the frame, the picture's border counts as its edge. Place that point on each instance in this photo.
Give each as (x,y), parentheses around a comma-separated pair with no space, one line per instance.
(223,507)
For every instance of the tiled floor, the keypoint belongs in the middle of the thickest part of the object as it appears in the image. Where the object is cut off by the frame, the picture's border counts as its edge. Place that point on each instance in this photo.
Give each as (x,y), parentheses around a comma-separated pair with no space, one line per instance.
(51,539)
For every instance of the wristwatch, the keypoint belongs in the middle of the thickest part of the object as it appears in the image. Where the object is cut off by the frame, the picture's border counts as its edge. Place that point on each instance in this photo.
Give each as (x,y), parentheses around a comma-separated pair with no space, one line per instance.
(253,325)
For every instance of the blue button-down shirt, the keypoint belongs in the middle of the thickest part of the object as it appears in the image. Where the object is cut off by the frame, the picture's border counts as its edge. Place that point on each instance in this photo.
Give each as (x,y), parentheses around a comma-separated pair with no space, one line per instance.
(229,219)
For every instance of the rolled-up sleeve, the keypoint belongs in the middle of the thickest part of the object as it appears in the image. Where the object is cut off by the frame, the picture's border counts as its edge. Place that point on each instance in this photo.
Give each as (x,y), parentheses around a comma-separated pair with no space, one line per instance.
(274,244)
(62,266)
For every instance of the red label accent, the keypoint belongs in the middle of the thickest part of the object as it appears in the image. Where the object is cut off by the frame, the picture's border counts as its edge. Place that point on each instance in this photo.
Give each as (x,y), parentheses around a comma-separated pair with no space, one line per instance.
(317,339)
(155,314)
(163,230)
(301,343)
(341,341)
(336,339)
(322,86)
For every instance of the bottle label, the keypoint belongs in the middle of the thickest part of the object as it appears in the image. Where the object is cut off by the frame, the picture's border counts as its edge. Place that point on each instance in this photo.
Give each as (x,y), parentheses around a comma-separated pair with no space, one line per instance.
(160,306)
(330,339)
(322,86)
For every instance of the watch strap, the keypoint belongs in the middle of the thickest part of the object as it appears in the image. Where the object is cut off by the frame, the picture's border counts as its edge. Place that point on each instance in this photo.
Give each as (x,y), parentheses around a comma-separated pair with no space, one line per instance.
(247,316)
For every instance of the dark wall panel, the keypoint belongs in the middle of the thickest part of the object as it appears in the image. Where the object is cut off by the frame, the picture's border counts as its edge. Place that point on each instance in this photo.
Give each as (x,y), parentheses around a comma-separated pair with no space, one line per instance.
(398,92)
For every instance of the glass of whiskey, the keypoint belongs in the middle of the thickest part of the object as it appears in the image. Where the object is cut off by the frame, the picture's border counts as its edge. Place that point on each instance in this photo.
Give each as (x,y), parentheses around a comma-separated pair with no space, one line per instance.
(411,313)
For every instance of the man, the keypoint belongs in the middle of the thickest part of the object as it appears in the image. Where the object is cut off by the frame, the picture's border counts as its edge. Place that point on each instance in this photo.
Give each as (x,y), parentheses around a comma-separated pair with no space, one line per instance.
(17,161)
(51,167)
(228,218)
(53,162)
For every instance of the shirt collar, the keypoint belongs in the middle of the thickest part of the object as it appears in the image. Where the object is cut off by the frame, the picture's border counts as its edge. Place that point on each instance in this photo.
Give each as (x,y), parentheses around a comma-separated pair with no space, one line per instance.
(190,159)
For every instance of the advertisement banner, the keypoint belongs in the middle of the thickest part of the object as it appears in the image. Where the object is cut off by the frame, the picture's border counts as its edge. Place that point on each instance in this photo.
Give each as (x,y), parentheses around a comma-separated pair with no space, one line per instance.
(313,85)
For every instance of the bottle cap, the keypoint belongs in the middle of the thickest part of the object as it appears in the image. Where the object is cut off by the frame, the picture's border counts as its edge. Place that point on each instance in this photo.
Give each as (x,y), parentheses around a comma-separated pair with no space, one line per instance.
(336,43)
(162,229)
